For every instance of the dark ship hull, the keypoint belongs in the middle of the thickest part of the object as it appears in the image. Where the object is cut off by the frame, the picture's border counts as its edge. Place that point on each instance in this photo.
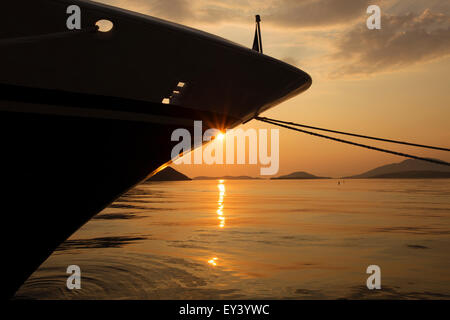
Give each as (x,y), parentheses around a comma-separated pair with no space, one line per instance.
(81,117)
(58,170)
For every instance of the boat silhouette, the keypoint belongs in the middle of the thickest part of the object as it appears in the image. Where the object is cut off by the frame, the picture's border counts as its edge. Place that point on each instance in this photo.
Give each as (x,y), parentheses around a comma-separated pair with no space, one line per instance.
(87,115)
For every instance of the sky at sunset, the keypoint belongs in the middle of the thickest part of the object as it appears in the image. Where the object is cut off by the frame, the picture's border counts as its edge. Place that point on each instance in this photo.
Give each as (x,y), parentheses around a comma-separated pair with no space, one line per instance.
(393,82)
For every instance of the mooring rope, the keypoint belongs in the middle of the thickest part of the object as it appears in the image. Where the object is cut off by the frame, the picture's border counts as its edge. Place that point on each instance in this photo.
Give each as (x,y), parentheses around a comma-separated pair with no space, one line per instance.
(354,134)
(283,124)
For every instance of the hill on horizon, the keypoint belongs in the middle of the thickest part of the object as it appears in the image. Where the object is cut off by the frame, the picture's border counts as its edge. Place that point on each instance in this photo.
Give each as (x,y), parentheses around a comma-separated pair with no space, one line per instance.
(226,178)
(169,174)
(299,175)
(409,168)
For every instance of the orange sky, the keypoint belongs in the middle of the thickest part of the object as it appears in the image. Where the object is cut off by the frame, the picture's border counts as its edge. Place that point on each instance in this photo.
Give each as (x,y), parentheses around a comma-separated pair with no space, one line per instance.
(391,83)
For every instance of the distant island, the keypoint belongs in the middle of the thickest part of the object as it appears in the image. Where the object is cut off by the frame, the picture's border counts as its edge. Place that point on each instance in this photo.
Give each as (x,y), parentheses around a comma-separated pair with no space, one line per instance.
(299,175)
(407,169)
(226,178)
(169,174)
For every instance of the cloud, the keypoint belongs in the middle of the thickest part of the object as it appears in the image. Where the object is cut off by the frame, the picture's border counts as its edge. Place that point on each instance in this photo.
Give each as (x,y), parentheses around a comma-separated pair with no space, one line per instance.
(281,13)
(316,13)
(404,40)
(187,11)
(324,34)
(173,9)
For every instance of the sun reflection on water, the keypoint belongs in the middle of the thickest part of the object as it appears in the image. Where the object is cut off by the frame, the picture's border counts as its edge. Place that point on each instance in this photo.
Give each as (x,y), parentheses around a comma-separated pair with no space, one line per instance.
(213,261)
(220,215)
(220,204)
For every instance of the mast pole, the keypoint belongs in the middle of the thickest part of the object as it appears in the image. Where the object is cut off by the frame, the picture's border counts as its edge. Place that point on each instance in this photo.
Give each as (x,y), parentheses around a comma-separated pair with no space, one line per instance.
(258,24)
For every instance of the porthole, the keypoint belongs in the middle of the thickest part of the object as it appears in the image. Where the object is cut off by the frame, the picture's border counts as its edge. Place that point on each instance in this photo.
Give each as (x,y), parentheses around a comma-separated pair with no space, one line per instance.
(104,25)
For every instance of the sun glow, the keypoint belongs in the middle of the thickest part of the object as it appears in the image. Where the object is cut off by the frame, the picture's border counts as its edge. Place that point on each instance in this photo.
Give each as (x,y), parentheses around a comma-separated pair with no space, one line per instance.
(220,136)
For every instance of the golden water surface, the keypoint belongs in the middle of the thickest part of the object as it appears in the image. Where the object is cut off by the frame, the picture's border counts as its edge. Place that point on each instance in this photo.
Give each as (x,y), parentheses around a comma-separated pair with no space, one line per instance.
(258,239)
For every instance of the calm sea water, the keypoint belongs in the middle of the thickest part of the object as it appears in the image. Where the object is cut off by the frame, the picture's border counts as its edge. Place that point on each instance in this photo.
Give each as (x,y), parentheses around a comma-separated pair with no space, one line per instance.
(255,239)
